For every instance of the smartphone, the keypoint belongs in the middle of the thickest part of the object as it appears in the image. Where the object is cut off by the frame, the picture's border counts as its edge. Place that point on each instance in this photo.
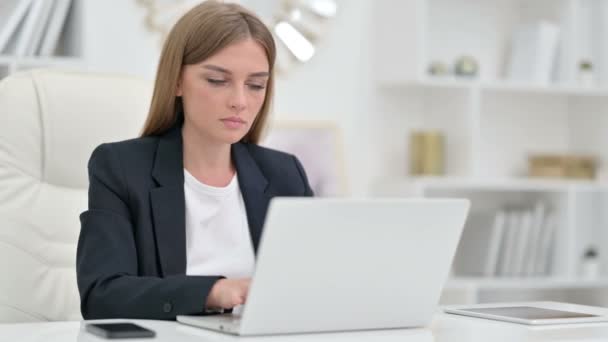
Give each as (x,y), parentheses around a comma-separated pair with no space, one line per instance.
(119,330)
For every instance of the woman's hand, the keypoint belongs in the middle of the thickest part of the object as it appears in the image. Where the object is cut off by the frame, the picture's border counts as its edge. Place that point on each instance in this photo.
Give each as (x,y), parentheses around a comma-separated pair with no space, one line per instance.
(228,293)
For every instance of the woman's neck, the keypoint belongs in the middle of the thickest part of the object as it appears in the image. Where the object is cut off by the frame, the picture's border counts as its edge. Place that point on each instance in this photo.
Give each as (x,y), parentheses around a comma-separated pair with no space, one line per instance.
(206,160)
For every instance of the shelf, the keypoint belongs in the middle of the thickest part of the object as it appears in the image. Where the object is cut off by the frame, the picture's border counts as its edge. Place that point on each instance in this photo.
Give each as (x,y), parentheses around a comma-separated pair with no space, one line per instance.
(35,62)
(439,82)
(5,59)
(525,283)
(506,184)
(500,86)
(552,89)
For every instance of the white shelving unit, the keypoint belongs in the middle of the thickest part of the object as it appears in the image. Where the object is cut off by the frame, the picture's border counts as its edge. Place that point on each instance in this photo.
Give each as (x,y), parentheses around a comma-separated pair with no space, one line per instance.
(492,125)
(480,290)
(70,52)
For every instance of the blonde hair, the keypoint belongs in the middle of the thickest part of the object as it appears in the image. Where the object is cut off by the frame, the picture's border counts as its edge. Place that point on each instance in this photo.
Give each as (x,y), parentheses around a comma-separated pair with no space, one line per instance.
(200,33)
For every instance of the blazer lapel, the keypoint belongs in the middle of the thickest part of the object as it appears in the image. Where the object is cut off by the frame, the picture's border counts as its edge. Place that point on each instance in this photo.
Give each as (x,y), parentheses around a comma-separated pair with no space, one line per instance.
(168,203)
(254,187)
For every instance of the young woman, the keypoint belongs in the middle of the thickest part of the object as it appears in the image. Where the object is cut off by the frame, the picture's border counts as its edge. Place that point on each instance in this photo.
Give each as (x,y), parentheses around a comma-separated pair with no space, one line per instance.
(175,216)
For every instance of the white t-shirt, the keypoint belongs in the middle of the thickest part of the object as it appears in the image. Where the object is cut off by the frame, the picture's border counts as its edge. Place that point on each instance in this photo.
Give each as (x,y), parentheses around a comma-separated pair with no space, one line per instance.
(217,233)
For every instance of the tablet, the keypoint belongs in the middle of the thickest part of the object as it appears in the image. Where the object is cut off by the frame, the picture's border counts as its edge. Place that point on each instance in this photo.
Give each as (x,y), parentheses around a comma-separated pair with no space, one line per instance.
(532,315)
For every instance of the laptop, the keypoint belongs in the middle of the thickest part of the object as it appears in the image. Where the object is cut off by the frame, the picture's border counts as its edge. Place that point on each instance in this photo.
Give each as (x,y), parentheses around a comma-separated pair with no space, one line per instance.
(347,264)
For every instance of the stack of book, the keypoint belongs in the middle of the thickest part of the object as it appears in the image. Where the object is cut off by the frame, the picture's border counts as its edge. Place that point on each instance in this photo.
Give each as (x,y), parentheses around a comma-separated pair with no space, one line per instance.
(32,27)
(512,242)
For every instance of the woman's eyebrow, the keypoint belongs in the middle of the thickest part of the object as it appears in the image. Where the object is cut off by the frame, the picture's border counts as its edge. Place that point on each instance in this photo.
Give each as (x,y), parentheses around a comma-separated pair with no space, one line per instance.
(228,72)
(259,74)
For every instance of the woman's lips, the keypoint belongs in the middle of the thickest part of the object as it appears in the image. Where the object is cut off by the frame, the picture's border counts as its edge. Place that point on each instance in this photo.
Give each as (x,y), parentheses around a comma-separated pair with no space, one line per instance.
(233,122)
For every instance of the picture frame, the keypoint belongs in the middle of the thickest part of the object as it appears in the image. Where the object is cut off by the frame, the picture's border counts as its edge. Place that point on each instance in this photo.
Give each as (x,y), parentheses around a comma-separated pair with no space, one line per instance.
(318,147)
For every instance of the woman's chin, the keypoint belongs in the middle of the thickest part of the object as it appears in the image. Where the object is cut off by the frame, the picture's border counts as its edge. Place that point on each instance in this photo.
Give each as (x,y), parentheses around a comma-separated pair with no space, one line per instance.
(232,138)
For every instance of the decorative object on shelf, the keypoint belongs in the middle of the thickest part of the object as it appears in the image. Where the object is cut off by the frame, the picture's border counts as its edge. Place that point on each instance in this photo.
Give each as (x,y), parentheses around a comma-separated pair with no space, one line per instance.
(426,153)
(562,166)
(318,146)
(437,68)
(466,66)
(585,73)
(296,24)
(590,266)
(161,15)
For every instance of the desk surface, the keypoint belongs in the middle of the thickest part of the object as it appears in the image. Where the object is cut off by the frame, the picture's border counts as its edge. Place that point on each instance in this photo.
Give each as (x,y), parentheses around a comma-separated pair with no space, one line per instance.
(444,327)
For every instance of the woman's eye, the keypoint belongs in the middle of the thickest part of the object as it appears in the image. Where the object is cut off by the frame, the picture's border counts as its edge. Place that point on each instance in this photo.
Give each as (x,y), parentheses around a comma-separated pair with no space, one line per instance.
(256,87)
(216,81)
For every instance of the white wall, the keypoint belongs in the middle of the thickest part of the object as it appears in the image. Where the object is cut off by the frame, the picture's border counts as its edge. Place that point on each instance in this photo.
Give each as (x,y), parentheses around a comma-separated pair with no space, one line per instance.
(116,40)
(335,85)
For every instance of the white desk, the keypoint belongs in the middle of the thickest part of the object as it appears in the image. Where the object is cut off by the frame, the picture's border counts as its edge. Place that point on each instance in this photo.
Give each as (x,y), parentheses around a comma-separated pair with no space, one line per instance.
(444,328)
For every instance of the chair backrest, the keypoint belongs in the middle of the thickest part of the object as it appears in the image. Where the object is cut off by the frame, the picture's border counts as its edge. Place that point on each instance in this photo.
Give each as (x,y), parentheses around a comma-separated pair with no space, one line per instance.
(50,122)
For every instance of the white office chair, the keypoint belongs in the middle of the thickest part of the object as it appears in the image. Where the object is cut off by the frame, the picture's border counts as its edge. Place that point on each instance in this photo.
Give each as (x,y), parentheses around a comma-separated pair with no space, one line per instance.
(50,122)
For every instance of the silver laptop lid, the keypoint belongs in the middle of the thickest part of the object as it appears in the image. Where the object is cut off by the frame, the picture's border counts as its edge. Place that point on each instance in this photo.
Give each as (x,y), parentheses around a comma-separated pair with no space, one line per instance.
(350,264)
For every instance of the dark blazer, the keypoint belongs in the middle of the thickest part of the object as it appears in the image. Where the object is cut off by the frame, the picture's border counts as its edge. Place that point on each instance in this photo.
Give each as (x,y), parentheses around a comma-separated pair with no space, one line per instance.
(131,258)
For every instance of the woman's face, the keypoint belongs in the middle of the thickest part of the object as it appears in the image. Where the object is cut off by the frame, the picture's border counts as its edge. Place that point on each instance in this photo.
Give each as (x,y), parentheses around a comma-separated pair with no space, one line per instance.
(223,94)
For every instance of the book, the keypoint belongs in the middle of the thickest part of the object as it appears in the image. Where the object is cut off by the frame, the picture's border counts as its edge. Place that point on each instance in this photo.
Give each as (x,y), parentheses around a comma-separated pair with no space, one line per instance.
(494,242)
(29,26)
(538,219)
(519,251)
(533,53)
(41,24)
(55,27)
(509,242)
(470,259)
(546,242)
(599,27)
(12,13)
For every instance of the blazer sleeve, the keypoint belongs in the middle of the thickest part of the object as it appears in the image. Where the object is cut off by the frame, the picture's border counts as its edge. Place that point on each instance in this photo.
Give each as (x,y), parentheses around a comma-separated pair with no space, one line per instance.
(307,190)
(106,260)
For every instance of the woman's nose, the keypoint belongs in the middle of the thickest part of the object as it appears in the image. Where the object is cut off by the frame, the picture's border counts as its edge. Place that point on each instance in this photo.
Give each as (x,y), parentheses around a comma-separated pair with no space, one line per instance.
(237,100)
